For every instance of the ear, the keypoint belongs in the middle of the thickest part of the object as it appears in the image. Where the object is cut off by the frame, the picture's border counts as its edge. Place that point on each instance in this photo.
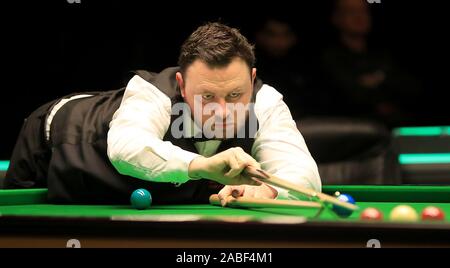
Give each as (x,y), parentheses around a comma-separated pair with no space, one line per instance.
(180,82)
(253,75)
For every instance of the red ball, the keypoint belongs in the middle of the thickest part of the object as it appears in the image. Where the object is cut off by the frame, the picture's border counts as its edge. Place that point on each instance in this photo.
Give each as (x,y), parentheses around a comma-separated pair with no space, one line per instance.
(371,214)
(432,213)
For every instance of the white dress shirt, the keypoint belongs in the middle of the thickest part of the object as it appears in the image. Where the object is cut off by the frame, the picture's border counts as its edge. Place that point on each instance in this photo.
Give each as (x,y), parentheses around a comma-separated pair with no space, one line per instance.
(136,147)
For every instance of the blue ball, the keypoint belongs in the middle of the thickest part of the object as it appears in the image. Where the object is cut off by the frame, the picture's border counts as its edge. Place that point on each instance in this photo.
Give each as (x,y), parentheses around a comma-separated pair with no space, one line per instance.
(141,199)
(343,212)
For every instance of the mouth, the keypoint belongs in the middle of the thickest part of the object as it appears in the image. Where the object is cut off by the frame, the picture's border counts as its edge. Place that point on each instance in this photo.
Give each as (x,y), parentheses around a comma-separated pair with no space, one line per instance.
(223,125)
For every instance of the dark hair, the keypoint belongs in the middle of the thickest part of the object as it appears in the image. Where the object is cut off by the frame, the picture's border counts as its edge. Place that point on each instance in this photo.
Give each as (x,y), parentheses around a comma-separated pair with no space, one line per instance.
(216,45)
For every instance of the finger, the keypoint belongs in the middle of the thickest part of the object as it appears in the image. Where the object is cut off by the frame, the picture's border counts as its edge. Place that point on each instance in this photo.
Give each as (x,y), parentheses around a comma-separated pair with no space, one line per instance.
(250,161)
(246,180)
(224,193)
(238,161)
(236,167)
(227,191)
(245,158)
(256,181)
(273,191)
(238,191)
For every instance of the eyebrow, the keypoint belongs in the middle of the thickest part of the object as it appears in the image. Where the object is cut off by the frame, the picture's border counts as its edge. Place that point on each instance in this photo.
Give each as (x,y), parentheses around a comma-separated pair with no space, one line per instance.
(207,91)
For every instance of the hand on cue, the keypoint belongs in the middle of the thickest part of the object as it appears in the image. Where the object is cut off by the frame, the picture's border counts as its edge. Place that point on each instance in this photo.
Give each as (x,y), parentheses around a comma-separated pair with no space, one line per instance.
(262,191)
(229,192)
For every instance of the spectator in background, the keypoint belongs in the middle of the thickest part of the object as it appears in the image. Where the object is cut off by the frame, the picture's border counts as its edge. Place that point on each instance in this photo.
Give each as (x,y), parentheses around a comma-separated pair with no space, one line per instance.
(361,80)
(280,63)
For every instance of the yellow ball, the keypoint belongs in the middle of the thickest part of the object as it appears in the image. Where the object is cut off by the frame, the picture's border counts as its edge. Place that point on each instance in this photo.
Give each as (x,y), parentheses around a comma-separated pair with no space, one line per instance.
(404,213)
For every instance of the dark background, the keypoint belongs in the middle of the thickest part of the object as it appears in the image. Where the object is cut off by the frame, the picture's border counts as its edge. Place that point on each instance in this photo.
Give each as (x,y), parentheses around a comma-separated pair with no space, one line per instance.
(52,49)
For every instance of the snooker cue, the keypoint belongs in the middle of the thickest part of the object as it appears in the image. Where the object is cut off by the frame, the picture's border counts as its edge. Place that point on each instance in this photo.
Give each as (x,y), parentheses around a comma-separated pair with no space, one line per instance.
(250,202)
(273,180)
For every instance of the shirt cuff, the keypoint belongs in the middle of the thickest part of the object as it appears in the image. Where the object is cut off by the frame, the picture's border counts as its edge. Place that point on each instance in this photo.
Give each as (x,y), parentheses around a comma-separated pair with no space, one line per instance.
(184,159)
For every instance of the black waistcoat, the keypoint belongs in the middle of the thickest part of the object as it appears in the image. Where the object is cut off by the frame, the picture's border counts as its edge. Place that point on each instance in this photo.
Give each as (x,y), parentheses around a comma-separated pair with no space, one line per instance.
(79,169)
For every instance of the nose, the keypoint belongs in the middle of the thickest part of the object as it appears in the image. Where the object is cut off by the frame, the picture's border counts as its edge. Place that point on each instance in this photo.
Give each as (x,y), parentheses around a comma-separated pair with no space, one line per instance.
(224,110)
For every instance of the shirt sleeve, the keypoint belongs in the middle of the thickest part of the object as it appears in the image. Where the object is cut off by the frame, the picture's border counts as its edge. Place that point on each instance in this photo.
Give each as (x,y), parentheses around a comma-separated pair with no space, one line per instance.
(279,146)
(135,138)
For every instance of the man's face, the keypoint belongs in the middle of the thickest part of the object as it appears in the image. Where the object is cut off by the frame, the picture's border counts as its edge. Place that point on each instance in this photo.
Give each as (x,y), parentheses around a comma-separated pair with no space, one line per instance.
(352,17)
(212,90)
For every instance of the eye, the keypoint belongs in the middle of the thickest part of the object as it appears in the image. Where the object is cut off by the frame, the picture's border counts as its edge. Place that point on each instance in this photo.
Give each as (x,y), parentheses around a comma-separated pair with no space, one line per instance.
(235,95)
(207,96)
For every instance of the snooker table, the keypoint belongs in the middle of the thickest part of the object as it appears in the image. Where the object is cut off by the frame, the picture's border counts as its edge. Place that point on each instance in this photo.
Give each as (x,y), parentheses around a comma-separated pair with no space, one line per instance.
(27,220)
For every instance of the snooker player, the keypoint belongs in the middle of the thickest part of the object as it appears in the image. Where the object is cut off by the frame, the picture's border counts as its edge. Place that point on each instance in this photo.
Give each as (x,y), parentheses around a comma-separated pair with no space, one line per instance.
(183,134)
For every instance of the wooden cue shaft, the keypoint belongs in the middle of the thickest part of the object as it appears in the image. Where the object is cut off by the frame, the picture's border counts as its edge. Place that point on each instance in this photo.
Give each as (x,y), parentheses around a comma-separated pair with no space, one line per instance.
(249,202)
(278,182)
